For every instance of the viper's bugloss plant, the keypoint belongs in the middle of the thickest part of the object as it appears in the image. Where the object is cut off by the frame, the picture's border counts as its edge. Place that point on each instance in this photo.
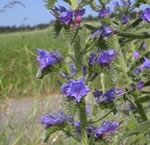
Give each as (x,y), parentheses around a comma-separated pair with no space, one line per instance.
(117,55)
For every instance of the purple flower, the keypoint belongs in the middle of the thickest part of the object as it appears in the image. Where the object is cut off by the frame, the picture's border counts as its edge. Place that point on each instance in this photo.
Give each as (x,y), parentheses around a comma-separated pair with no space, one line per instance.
(131,107)
(125,19)
(77,125)
(107,32)
(116,5)
(45,59)
(97,94)
(76,89)
(96,33)
(66,17)
(140,85)
(92,58)
(126,3)
(72,69)
(51,119)
(84,69)
(145,16)
(110,95)
(57,56)
(90,130)
(143,45)
(136,55)
(146,64)
(87,110)
(103,13)
(64,89)
(59,9)
(137,70)
(105,127)
(79,12)
(106,57)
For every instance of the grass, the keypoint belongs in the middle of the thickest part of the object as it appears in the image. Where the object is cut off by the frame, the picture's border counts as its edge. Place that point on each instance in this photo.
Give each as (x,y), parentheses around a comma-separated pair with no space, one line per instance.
(18,63)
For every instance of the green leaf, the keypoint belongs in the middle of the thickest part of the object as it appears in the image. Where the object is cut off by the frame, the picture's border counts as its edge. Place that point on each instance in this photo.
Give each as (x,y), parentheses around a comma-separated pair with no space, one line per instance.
(90,27)
(140,128)
(57,29)
(68,1)
(74,4)
(143,99)
(51,130)
(94,111)
(50,3)
(40,74)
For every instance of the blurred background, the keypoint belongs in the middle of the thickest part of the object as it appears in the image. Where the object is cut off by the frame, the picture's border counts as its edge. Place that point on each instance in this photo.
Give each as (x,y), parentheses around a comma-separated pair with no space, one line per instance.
(24,26)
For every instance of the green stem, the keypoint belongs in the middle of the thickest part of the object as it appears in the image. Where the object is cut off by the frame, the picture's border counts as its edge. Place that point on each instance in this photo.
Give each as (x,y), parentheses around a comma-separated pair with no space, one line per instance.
(78,57)
(141,111)
(83,121)
(121,60)
(143,35)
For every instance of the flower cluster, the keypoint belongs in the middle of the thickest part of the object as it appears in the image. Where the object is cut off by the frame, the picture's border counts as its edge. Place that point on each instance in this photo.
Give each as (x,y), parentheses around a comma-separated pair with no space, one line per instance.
(125,19)
(145,65)
(76,89)
(68,16)
(98,132)
(52,119)
(105,31)
(108,96)
(103,13)
(145,16)
(48,59)
(102,58)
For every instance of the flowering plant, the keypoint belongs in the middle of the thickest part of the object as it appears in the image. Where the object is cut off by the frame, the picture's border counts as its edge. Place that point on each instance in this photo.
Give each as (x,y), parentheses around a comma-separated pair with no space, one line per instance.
(116,48)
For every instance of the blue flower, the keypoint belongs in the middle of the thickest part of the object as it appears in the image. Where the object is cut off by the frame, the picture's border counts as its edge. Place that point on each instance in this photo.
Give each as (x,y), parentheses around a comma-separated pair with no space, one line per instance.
(125,19)
(110,95)
(107,32)
(84,70)
(79,12)
(103,13)
(66,16)
(97,94)
(72,69)
(76,89)
(136,55)
(96,33)
(131,107)
(116,5)
(57,56)
(106,57)
(92,58)
(146,64)
(143,45)
(126,3)
(48,59)
(45,59)
(145,16)
(105,127)
(140,85)
(51,119)
(77,125)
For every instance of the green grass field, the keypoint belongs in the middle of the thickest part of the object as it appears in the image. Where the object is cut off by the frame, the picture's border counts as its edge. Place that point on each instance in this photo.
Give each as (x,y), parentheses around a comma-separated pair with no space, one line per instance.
(18,63)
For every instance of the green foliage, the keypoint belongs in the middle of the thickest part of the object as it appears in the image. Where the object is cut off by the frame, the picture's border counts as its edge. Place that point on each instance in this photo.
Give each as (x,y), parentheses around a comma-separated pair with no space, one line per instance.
(50,3)
(51,130)
(139,128)
(57,29)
